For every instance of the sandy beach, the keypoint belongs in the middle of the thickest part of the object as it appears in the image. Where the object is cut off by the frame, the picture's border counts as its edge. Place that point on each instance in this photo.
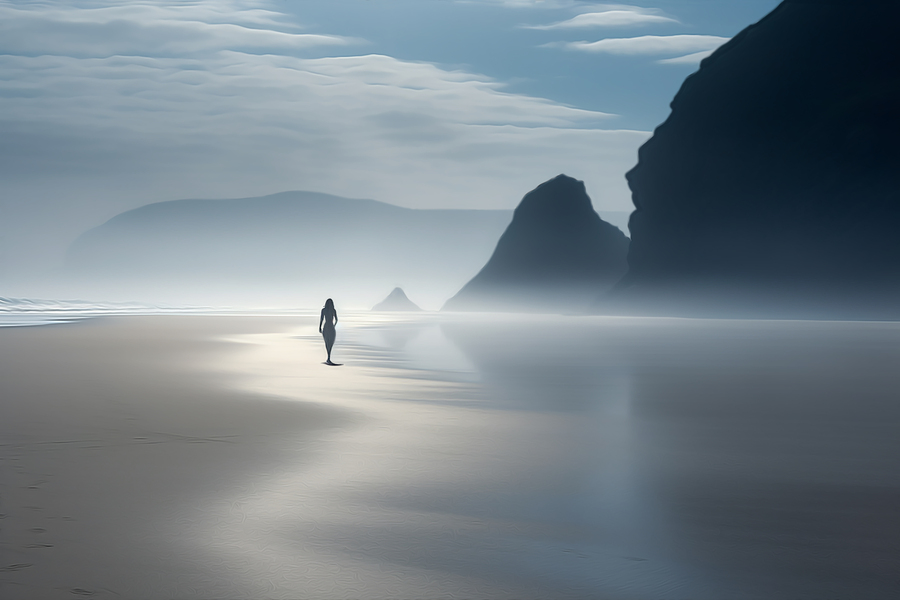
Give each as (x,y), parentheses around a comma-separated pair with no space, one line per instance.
(470,456)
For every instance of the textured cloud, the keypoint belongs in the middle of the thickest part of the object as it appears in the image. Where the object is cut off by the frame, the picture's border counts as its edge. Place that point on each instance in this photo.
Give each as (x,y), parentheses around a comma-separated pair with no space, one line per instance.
(364,125)
(620,17)
(216,99)
(93,30)
(689,59)
(651,44)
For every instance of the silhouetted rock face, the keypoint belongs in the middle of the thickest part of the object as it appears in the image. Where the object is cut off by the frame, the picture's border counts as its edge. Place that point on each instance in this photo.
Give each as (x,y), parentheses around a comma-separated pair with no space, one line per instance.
(556,254)
(779,166)
(396,300)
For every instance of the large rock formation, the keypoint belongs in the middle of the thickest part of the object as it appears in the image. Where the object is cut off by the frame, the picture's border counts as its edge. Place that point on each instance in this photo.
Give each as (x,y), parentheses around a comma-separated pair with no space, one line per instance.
(777,174)
(555,256)
(396,301)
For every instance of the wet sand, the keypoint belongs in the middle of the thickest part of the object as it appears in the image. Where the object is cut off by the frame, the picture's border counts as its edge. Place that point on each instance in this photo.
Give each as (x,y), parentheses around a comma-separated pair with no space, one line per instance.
(451,457)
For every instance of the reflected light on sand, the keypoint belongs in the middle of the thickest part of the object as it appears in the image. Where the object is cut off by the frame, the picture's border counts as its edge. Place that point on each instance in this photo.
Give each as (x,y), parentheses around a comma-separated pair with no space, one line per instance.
(556,456)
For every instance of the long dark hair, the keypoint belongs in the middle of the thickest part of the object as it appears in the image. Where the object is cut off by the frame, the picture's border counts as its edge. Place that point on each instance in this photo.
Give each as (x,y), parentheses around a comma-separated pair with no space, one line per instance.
(329,304)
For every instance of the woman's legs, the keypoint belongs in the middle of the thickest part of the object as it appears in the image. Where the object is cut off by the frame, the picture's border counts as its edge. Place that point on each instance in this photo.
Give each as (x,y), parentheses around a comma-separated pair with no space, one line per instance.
(329,334)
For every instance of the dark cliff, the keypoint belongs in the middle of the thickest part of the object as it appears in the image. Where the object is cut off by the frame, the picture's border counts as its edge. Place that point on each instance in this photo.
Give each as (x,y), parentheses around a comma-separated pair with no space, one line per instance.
(556,254)
(778,171)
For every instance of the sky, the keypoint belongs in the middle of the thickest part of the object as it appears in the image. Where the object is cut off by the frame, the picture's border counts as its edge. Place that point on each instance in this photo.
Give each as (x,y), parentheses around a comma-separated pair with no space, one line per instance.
(107,106)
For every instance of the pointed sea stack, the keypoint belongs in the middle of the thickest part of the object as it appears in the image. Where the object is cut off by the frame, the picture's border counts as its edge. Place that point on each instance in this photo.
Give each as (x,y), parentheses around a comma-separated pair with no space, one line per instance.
(776,178)
(396,301)
(555,256)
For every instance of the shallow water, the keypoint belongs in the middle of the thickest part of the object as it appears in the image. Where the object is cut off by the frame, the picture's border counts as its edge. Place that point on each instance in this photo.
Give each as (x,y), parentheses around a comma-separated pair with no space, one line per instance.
(513,456)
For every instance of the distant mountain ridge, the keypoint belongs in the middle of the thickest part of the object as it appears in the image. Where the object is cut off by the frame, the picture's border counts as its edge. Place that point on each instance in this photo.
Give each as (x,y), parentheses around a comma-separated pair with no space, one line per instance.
(556,255)
(298,243)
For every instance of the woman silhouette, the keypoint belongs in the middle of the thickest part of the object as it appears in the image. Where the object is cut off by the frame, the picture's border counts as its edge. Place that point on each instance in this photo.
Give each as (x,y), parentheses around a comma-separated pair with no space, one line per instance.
(328,317)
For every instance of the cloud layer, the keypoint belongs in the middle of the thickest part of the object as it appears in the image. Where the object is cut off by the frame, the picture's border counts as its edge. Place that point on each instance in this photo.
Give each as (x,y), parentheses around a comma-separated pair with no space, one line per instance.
(623,17)
(689,49)
(126,104)
(688,59)
(651,44)
(98,30)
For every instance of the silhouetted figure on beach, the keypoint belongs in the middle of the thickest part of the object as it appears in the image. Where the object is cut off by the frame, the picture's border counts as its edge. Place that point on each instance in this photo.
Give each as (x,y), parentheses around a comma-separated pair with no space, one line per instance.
(327,320)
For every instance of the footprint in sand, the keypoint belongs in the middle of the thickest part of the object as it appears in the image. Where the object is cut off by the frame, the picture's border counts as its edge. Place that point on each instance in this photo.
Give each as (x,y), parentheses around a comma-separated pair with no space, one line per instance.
(15,567)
